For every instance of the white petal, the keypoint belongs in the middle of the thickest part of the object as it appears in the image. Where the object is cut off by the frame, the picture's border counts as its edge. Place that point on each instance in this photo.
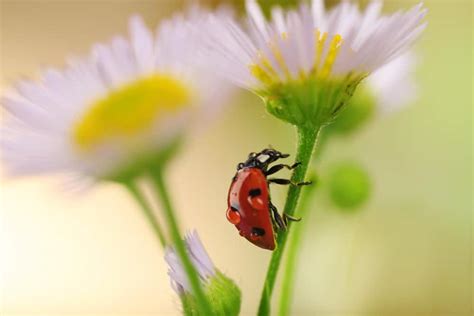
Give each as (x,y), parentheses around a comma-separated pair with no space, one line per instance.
(142,43)
(256,17)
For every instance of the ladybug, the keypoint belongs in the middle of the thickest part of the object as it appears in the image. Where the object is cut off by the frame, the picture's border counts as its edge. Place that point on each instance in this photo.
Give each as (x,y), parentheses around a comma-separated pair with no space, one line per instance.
(249,206)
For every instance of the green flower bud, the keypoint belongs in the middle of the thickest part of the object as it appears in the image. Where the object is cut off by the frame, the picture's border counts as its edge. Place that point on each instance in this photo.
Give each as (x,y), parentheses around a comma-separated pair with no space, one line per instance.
(222,293)
(349,186)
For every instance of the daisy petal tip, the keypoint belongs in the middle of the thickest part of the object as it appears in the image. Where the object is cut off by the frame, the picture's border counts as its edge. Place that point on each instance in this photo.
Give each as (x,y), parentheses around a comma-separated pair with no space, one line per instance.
(423,13)
(136,20)
(137,25)
(251,4)
(253,8)
(97,49)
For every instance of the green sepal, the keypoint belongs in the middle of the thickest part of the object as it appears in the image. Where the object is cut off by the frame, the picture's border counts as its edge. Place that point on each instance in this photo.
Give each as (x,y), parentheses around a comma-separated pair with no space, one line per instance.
(222,293)
(311,102)
(143,163)
(189,305)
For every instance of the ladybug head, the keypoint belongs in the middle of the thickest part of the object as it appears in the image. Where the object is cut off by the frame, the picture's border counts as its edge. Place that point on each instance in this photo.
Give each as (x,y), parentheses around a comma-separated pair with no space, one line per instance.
(261,159)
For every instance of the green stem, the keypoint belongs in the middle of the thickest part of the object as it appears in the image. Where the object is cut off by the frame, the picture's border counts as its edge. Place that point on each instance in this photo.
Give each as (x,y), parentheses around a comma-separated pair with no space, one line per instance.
(147,211)
(193,276)
(293,247)
(306,143)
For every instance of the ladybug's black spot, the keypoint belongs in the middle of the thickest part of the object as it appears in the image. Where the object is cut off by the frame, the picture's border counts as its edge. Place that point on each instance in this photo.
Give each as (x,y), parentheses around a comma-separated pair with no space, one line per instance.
(257,231)
(255,192)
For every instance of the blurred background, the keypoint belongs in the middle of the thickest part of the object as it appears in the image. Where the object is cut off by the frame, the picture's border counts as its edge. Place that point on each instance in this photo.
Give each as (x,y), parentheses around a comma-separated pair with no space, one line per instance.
(407,251)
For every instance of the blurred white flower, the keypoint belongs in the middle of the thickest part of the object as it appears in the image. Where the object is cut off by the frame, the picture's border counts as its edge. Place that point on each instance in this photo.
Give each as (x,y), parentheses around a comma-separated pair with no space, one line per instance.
(393,86)
(200,259)
(127,100)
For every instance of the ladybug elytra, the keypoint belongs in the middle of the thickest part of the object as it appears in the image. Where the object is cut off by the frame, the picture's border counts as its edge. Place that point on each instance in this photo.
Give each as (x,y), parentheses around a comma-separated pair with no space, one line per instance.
(249,206)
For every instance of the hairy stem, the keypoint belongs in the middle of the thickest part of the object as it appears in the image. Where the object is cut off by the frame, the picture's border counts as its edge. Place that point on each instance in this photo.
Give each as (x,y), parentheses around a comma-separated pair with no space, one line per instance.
(306,143)
(178,243)
(147,211)
(286,295)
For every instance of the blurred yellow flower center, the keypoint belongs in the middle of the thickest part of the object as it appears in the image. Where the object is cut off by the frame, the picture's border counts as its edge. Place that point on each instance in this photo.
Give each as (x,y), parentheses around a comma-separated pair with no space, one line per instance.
(324,58)
(130,110)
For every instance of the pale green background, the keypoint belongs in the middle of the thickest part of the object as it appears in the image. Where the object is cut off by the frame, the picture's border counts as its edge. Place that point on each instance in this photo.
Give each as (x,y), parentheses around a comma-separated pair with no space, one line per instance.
(408,252)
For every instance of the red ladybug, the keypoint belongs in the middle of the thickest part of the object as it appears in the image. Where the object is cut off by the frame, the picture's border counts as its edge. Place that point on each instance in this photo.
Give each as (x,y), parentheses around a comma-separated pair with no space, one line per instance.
(249,205)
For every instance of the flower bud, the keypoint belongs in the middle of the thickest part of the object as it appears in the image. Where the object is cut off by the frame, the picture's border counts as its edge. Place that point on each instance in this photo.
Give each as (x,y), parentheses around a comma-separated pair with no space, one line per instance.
(222,293)
(349,186)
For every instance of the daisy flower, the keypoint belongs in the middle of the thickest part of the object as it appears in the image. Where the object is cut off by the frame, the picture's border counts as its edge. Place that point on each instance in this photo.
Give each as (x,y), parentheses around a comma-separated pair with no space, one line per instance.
(306,63)
(114,112)
(222,292)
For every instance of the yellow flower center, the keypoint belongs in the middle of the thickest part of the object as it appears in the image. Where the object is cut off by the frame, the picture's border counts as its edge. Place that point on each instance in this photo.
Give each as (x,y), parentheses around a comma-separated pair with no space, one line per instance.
(324,59)
(130,110)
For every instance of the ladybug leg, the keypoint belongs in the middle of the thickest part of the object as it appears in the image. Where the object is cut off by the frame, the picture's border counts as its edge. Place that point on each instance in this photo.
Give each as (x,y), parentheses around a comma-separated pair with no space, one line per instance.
(287,218)
(280,222)
(287,182)
(276,168)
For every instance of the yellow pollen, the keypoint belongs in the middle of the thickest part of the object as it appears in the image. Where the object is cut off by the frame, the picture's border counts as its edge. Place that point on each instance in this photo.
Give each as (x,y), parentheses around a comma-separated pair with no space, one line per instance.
(130,109)
(263,71)
(279,59)
(331,55)
(267,65)
(258,72)
(319,43)
(324,58)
